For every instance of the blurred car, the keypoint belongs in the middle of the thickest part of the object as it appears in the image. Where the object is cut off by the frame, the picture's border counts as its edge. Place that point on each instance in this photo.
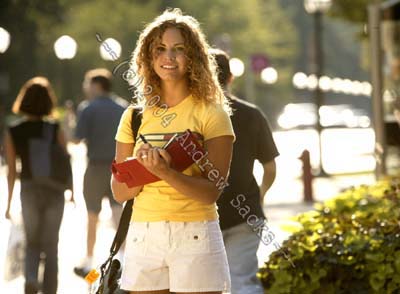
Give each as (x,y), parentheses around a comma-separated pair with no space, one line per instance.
(303,115)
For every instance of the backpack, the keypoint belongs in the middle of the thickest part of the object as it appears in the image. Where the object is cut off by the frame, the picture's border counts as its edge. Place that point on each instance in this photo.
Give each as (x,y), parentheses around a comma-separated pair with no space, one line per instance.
(49,161)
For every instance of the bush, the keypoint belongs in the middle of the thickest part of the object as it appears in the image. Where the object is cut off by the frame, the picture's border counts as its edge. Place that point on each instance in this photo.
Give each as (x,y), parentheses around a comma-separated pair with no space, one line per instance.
(350,244)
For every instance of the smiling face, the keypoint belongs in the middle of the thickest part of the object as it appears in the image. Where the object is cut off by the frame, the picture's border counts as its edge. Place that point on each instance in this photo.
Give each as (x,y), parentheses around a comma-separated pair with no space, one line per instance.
(169,59)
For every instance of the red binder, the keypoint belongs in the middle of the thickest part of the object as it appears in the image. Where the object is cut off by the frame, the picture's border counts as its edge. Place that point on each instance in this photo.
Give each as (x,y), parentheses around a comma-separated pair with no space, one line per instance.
(181,148)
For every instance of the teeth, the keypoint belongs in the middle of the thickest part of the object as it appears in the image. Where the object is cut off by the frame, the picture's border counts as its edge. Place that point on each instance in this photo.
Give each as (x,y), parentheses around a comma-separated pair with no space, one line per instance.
(169,66)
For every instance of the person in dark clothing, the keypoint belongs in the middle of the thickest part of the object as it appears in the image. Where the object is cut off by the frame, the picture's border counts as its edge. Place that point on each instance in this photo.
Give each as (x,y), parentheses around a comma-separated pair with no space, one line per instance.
(42,205)
(240,204)
(97,122)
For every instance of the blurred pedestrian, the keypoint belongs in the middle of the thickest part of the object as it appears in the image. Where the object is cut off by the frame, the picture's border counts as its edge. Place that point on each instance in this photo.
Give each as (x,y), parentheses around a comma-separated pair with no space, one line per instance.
(396,110)
(69,120)
(253,141)
(97,122)
(174,243)
(42,205)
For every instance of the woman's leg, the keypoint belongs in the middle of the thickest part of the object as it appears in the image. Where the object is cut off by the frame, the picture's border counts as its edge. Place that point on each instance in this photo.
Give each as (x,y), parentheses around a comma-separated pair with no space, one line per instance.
(31,218)
(51,221)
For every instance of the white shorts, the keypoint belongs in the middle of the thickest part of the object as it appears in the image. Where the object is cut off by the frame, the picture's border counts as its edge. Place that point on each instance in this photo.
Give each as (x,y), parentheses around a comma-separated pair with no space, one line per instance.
(179,256)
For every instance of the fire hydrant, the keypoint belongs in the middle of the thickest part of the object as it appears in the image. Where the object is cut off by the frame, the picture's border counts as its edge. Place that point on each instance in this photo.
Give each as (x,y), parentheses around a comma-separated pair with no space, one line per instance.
(307,176)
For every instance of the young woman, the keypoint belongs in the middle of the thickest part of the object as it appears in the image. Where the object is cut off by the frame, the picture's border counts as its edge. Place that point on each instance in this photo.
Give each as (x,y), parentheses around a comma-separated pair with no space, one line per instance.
(175,243)
(42,206)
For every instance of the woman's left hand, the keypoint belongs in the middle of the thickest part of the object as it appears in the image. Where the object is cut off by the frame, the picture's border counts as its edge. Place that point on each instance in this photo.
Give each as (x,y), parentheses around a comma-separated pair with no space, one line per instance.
(155,160)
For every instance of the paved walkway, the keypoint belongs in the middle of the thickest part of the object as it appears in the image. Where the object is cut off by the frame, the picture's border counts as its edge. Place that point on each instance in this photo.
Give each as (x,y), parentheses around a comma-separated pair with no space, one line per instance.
(283,201)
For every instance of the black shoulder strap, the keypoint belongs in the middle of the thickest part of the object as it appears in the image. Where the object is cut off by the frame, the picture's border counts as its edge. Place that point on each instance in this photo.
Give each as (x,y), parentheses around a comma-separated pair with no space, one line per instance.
(136,121)
(123,225)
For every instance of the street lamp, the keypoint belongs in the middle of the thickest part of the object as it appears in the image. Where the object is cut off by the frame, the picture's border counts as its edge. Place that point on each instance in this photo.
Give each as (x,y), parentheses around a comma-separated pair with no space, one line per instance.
(4,81)
(110,49)
(269,75)
(317,8)
(65,49)
(4,40)
(237,67)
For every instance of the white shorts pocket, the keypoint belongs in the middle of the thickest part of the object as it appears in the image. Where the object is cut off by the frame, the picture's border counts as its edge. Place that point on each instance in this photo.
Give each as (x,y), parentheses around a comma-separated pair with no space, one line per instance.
(136,241)
(196,242)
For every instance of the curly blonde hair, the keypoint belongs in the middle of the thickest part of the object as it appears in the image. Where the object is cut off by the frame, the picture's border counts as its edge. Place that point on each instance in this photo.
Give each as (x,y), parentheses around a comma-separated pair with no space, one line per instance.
(202,75)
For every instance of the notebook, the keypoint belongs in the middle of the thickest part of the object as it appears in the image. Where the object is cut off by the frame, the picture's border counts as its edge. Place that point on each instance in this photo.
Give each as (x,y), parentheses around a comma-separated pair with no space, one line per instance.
(134,174)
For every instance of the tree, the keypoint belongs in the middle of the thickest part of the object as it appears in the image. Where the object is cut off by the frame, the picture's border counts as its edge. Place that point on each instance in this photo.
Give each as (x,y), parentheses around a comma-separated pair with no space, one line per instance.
(251,27)
(353,11)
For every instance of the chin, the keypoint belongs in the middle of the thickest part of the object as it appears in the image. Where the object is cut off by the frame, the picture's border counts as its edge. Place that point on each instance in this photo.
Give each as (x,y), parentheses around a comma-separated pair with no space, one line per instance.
(171,78)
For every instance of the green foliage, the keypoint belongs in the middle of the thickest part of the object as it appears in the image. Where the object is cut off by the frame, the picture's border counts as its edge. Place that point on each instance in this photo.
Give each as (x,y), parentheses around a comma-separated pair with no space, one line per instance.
(34,27)
(252,28)
(354,10)
(350,244)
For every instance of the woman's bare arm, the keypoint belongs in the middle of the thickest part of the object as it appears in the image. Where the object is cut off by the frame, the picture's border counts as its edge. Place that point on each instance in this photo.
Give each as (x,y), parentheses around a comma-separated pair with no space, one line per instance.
(63,142)
(61,138)
(205,189)
(12,171)
(121,191)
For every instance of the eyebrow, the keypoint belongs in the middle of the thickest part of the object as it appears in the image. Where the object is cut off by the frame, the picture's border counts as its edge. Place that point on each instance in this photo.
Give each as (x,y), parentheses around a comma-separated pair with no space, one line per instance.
(176,44)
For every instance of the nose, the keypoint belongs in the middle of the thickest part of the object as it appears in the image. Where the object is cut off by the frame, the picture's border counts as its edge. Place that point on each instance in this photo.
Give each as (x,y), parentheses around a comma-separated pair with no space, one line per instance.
(170,54)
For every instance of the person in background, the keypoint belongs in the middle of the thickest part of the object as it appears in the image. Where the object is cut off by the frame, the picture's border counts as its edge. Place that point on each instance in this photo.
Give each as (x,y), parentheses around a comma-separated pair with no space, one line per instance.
(42,205)
(97,122)
(396,110)
(253,141)
(69,120)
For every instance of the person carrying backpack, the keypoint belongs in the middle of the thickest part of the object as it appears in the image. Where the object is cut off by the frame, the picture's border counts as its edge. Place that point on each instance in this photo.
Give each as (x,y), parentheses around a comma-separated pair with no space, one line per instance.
(39,143)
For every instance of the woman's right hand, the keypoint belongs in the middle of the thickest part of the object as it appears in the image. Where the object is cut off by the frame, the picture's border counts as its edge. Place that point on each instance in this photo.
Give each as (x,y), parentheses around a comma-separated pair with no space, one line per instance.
(121,191)
(143,150)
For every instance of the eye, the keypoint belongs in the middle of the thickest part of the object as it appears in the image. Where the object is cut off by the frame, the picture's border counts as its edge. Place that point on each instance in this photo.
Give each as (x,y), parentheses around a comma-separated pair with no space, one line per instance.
(160,49)
(180,49)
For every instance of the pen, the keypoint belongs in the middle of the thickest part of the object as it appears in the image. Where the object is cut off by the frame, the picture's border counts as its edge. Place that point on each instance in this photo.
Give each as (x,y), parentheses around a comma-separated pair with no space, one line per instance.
(143,139)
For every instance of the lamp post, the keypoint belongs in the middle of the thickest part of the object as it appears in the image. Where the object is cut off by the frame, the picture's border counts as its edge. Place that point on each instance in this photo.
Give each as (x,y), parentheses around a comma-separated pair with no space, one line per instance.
(65,49)
(110,49)
(237,67)
(269,75)
(5,40)
(317,8)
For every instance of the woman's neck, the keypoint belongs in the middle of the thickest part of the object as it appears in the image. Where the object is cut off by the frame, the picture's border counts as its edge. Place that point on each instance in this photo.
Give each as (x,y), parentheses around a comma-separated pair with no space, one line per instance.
(33,117)
(174,92)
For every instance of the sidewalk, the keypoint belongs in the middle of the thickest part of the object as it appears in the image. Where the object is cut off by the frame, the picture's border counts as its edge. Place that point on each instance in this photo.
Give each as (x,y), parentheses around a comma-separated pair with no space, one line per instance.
(282,201)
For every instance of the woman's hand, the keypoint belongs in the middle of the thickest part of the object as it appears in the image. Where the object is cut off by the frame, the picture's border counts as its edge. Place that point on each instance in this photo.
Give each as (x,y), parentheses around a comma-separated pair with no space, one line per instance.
(121,192)
(7,214)
(156,160)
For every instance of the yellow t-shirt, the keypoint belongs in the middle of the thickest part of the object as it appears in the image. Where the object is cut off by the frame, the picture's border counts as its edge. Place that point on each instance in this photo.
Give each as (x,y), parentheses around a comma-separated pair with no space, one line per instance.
(159,201)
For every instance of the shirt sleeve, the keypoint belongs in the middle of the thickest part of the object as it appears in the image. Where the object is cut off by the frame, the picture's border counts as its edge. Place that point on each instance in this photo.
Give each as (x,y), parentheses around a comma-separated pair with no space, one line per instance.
(124,131)
(82,126)
(217,124)
(265,149)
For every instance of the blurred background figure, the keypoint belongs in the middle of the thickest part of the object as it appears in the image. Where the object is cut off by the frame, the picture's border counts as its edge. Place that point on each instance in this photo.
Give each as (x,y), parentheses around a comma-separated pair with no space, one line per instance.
(254,141)
(69,120)
(97,122)
(42,205)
